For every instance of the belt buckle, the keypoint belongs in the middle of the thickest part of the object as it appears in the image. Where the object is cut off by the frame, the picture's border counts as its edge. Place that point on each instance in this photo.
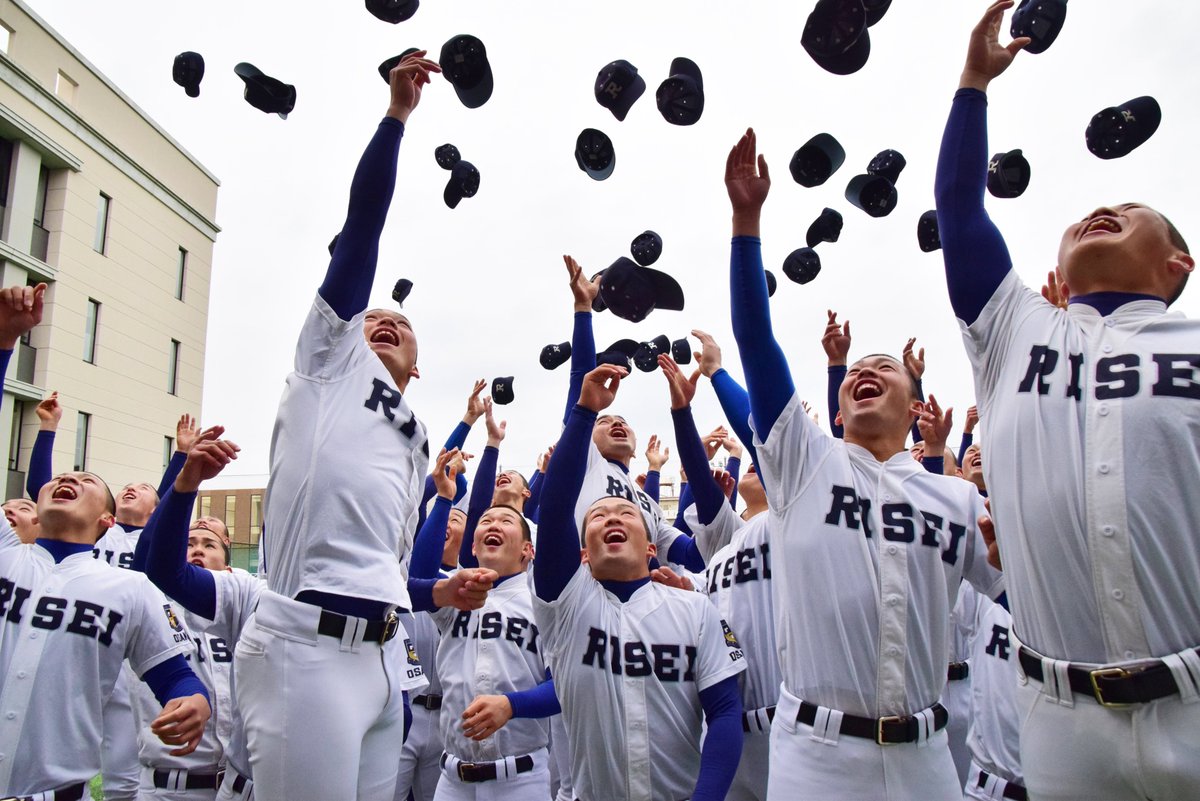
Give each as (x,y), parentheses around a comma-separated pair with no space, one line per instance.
(391,624)
(1107,673)
(462,768)
(879,724)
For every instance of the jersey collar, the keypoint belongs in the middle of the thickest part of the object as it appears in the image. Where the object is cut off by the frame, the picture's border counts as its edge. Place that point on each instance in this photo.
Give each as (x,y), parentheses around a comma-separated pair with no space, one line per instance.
(60,550)
(1126,303)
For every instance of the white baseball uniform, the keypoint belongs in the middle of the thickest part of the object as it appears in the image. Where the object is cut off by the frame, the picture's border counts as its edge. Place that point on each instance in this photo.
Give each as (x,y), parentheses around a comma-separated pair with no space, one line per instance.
(956,697)
(348,465)
(867,559)
(1103,558)
(492,651)
(630,676)
(67,628)
(738,582)
(420,758)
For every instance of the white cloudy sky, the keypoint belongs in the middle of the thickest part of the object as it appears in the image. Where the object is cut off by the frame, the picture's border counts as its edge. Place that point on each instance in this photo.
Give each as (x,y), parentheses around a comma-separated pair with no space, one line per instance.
(490,287)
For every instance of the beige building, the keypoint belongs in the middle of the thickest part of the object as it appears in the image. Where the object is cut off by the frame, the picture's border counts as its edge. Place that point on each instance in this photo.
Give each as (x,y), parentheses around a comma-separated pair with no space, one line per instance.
(226,498)
(104,206)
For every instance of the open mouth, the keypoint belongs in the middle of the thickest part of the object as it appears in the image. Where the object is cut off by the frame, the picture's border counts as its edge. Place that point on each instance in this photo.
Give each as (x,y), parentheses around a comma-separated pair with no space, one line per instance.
(198,562)
(64,492)
(503,481)
(618,433)
(129,495)
(493,540)
(867,388)
(1101,225)
(615,536)
(385,336)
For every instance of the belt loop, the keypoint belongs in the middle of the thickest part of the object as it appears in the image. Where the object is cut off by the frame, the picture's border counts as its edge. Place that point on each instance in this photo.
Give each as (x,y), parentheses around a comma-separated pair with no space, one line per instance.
(924,721)
(1185,669)
(1063,695)
(352,634)
(827,725)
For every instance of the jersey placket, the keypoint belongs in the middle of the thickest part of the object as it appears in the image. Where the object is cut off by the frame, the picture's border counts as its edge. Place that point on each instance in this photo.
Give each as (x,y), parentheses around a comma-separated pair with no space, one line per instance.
(633,700)
(1117,594)
(892,602)
(485,665)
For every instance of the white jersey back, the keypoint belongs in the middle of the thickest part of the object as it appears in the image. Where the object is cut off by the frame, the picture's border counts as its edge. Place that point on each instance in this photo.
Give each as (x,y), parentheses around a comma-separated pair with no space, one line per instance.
(1104,556)
(995,734)
(491,651)
(65,631)
(348,464)
(604,479)
(116,546)
(629,676)
(867,559)
(739,581)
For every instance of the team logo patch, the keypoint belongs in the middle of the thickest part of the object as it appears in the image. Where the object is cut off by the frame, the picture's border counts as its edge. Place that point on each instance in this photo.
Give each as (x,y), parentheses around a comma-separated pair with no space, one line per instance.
(411,651)
(172,618)
(730,638)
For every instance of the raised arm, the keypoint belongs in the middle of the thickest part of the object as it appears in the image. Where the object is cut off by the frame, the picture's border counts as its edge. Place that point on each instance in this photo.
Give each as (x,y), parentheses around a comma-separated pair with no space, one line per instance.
(730,394)
(914,362)
(347,284)
(41,467)
(583,343)
(186,432)
(656,456)
(968,435)
(483,487)
(973,250)
(768,379)
(708,495)
(836,342)
(431,539)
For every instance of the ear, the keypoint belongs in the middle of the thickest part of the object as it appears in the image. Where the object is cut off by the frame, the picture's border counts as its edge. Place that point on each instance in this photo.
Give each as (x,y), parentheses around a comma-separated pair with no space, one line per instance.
(915,408)
(651,549)
(583,557)
(527,552)
(838,419)
(414,372)
(525,493)
(1181,263)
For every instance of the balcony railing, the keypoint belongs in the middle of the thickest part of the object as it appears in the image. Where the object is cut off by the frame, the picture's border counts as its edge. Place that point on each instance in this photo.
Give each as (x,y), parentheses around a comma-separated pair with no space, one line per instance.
(39,244)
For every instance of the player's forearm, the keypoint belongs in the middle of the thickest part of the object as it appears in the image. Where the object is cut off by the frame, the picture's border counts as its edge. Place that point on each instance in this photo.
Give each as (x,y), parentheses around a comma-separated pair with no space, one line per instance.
(534,501)
(653,484)
(539,701)
(558,536)
(934,464)
(722,743)
(430,542)
(583,358)
(684,551)
(178,459)
(768,379)
(686,500)
(483,487)
(837,374)
(705,489)
(734,468)
(347,284)
(162,550)
(174,679)
(458,437)
(967,439)
(973,250)
(735,402)
(41,468)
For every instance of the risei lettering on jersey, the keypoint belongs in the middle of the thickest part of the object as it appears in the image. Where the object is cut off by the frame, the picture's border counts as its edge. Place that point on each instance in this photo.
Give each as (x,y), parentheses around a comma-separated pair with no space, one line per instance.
(748,564)
(999,645)
(1172,375)
(124,559)
(51,613)
(666,661)
(385,400)
(494,626)
(621,489)
(901,522)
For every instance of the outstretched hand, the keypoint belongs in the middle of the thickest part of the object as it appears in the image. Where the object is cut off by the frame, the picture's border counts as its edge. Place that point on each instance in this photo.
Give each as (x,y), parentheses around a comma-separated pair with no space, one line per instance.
(747,181)
(207,458)
(986,57)
(709,356)
(49,412)
(495,431)
(407,80)
(1055,290)
(836,340)
(656,455)
(682,388)
(914,362)
(600,387)
(475,407)
(20,310)
(445,473)
(583,290)
(935,427)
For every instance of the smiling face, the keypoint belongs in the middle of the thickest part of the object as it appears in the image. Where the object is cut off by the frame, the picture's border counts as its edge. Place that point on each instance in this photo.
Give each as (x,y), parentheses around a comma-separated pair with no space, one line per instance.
(22,516)
(502,541)
(206,549)
(75,507)
(1126,248)
(614,438)
(390,336)
(972,466)
(214,524)
(135,503)
(511,490)
(877,398)
(454,534)
(750,488)
(616,544)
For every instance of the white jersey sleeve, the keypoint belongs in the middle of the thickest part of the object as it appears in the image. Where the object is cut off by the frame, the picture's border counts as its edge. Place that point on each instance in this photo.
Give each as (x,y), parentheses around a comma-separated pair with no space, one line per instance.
(715,535)
(156,633)
(237,595)
(790,455)
(721,654)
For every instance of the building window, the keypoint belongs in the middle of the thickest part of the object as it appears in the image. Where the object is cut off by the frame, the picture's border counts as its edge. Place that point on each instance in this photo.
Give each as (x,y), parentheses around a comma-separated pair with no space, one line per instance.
(181,274)
(82,424)
(14,441)
(102,213)
(6,159)
(206,506)
(64,87)
(255,518)
(231,515)
(89,331)
(173,369)
(6,34)
(168,451)
(39,243)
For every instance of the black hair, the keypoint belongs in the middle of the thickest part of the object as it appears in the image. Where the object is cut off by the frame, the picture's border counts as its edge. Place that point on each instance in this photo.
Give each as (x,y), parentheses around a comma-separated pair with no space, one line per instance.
(525,530)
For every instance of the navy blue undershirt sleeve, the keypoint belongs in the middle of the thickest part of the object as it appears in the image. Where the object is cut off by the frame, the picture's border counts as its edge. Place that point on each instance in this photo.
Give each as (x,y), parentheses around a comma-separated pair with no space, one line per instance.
(973,250)
(686,500)
(483,488)
(164,556)
(967,439)
(916,430)
(534,501)
(736,405)
(5,356)
(722,749)
(431,542)
(178,459)
(653,479)
(837,374)
(768,379)
(537,702)
(174,678)
(706,491)
(558,536)
(684,551)
(734,468)
(583,358)
(347,284)
(41,469)
(458,437)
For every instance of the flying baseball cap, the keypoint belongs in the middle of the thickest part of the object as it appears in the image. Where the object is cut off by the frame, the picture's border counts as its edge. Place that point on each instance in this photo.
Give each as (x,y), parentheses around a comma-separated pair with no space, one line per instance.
(874,194)
(446,156)
(645,358)
(595,154)
(631,292)
(816,160)
(400,291)
(835,35)
(680,97)
(772,283)
(1008,174)
(465,64)
(387,65)
(267,94)
(875,10)
(554,356)
(646,248)
(681,351)
(826,228)
(1118,130)
(393,11)
(464,182)
(619,353)
(1040,20)
(928,238)
(802,265)
(333,243)
(188,71)
(887,163)
(618,87)
(502,390)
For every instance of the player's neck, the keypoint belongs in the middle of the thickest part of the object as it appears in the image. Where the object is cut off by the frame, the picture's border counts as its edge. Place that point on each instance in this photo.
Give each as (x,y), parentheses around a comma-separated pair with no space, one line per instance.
(754,510)
(133,520)
(882,446)
(401,381)
(68,534)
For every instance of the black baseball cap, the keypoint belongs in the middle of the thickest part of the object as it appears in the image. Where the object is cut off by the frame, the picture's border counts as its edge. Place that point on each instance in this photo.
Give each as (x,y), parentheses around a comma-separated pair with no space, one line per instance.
(188,71)
(928,238)
(265,93)
(619,353)
(553,356)
(464,63)
(631,292)
(464,182)
(595,154)
(1008,174)
(645,358)
(826,228)
(393,11)
(680,97)
(836,37)
(387,65)
(1116,131)
(802,265)
(772,283)
(816,160)
(681,351)
(1040,20)
(618,87)
(502,390)
(875,10)
(446,156)
(874,194)
(646,248)
(888,163)
(400,291)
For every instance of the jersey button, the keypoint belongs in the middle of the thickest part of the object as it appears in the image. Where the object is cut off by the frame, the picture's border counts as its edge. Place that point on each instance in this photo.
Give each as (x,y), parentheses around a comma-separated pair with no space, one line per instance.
(893,600)
(1129,654)
(1102,410)
(1108,531)
(11,715)
(887,496)
(1107,348)
(892,549)
(1118,595)
(21,674)
(33,635)
(893,651)
(1103,468)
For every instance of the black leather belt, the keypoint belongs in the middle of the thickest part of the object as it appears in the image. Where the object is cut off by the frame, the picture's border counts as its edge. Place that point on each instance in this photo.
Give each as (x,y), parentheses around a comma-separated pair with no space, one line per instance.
(473,772)
(746,716)
(72,793)
(1110,686)
(885,731)
(1011,790)
(430,702)
(334,625)
(194,781)
(239,783)
(957,671)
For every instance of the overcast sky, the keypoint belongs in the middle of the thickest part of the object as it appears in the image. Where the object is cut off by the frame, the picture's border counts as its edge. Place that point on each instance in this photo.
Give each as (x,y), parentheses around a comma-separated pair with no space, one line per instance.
(490,285)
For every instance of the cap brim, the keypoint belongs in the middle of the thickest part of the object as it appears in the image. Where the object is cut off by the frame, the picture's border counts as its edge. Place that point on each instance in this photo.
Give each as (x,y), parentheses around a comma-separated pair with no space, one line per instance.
(192,91)
(477,95)
(668,294)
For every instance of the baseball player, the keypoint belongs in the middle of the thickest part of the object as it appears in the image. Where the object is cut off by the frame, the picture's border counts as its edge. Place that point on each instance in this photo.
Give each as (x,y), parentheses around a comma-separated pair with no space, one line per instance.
(868,550)
(737,581)
(69,624)
(21,514)
(490,662)
(1102,558)
(637,664)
